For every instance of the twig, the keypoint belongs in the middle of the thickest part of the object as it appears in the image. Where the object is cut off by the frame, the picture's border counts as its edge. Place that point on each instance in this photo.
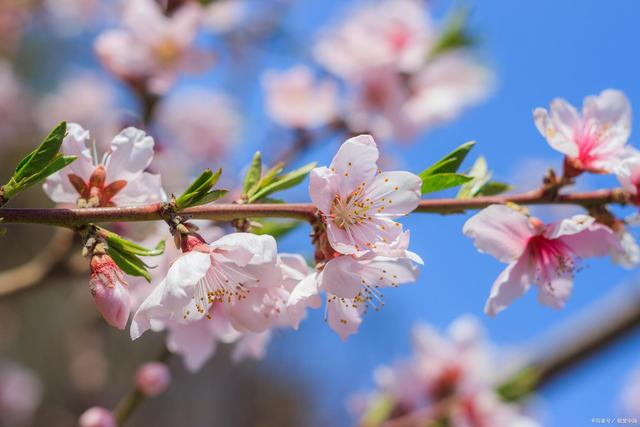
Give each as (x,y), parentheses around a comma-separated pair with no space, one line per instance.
(304,211)
(33,271)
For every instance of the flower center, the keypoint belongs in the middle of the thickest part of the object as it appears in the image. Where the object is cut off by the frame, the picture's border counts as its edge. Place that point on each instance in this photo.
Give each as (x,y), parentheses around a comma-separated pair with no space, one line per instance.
(94,193)
(552,258)
(352,210)
(166,51)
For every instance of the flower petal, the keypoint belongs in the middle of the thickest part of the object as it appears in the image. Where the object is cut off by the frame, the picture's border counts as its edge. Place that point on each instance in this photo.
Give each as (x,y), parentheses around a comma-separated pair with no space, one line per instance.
(610,109)
(512,283)
(555,292)
(398,192)
(343,316)
(131,153)
(146,188)
(355,163)
(304,295)
(499,231)
(323,188)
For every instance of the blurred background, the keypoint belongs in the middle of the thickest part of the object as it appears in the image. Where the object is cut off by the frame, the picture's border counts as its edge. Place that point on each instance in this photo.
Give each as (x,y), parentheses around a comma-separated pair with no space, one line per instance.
(530,53)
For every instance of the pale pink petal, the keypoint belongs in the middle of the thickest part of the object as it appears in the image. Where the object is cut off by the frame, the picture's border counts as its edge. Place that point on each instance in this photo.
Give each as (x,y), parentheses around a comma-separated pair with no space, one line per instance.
(131,153)
(385,272)
(146,188)
(512,283)
(627,252)
(342,277)
(555,292)
(596,240)
(499,231)
(343,315)
(304,295)
(559,139)
(355,163)
(398,192)
(244,249)
(253,312)
(611,109)
(323,187)
(628,173)
(568,226)
(184,23)
(253,345)
(76,143)
(294,268)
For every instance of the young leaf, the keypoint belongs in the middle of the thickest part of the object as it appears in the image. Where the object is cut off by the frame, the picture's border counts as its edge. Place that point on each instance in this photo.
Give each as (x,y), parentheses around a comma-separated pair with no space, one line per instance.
(454,35)
(253,174)
(276,228)
(198,189)
(481,175)
(59,162)
(268,178)
(378,412)
(493,188)
(442,181)
(284,182)
(451,162)
(42,155)
(211,196)
(130,264)
(123,245)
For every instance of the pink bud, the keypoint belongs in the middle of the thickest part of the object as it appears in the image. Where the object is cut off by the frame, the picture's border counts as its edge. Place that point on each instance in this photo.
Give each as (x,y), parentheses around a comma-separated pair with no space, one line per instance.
(97,417)
(110,291)
(153,378)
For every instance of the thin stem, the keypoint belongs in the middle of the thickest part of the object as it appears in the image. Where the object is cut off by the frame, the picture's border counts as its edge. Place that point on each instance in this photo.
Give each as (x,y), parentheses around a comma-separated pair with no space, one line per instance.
(132,400)
(303,211)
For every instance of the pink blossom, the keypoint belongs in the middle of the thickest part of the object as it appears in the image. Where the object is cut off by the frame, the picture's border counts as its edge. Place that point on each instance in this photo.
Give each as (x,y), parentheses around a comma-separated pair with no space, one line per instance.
(97,417)
(153,378)
(397,32)
(20,394)
(359,203)
(13,102)
(295,100)
(545,255)
(84,98)
(352,285)
(205,124)
(152,49)
(223,16)
(238,271)
(628,171)
(110,291)
(592,141)
(117,180)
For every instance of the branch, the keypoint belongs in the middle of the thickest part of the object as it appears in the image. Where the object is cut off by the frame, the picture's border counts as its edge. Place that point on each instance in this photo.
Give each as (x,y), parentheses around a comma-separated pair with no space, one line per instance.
(303,211)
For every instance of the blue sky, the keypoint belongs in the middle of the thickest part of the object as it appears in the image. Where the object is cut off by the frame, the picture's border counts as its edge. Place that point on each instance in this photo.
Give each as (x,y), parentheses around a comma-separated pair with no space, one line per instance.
(539,50)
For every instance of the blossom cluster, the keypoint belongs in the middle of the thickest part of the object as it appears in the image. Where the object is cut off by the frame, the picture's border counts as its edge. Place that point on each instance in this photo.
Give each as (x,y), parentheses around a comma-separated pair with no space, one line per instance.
(547,256)
(450,378)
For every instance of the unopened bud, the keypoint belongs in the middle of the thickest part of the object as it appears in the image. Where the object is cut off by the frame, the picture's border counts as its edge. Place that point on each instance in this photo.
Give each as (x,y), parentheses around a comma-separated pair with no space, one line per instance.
(153,378)
(97,417)
(110,291)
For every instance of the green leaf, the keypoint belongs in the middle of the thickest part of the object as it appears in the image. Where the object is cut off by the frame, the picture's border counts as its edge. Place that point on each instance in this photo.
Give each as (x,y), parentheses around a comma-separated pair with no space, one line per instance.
(125,246)
(211,196)
(451,162)
(130,264)
(198,189)
(59,162)
(267,179)
(520,385)
(276,228)
(253,174)
(442,181)
(42,155)
(454,34)
(284,182)
(379,411)
(493,188)
(481,175)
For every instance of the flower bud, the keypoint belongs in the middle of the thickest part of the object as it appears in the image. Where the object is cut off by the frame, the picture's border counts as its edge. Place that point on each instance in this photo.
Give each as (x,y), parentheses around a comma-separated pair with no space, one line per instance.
(110,291)
(97,417)
(153,378)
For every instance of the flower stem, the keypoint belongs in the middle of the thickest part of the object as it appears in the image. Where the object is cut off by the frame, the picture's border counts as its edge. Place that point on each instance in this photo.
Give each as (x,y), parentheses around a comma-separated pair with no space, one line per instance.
(132,400)
(74,218)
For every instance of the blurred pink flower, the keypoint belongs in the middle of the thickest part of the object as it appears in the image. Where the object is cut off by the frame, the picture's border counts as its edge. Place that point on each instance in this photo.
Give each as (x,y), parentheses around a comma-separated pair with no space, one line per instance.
(151,48)
(14,104)
(544,255)
(97,417)
(237,271)
(593,141)
(204,123)
(458,367)
(71,17)
(628,171)
(358,202)
(222,16)
(15,15)
(84,98)
(294,99)
(20,395)
(153,378)
(110,291)
(397,32)
(116,180)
